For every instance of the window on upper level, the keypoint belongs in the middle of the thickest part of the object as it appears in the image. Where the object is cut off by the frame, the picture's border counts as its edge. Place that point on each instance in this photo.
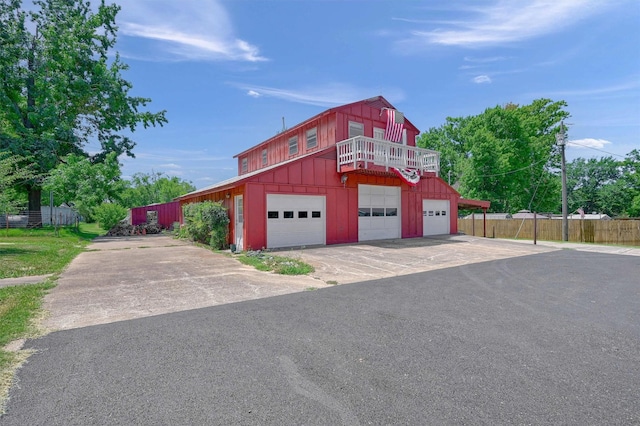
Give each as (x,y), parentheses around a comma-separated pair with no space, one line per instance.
(245,165)
(293,145)
(378,133)
(312,138)
(356,129)
(264,157)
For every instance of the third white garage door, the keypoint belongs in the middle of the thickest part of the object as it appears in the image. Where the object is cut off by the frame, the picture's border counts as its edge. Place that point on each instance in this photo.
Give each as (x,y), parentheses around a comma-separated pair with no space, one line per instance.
(295,220)
(435,217)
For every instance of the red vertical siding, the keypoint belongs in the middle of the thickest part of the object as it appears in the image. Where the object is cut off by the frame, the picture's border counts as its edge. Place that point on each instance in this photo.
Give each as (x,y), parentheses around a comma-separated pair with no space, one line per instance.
(168,213)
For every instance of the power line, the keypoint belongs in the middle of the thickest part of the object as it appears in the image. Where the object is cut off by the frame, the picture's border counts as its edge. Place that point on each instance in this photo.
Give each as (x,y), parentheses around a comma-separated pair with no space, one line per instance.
(514,171)
(595,149)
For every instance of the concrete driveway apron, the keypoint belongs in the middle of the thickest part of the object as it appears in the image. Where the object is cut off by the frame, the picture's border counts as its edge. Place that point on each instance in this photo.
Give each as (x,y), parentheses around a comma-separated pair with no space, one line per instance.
(122,278)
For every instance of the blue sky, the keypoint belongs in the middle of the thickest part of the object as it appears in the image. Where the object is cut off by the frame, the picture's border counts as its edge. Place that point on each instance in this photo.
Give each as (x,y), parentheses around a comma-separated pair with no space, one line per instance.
(227,71)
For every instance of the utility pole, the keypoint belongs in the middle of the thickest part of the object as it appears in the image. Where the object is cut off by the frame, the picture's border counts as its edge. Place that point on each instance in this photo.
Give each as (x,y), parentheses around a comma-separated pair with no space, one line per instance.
(561,139)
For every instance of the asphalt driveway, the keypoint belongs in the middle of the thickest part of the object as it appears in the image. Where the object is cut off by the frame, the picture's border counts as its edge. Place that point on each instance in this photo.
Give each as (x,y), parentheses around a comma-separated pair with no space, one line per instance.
(551,337)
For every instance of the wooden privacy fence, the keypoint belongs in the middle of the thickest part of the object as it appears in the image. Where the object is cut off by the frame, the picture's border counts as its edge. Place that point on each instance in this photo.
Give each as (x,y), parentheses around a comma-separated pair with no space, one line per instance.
(620,231)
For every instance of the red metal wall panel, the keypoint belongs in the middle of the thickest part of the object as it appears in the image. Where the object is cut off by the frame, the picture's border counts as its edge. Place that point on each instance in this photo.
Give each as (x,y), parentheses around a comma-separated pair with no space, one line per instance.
(168,213)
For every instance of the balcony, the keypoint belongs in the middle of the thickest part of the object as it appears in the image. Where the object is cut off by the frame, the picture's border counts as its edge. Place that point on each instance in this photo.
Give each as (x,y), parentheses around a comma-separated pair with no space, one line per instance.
(368,153)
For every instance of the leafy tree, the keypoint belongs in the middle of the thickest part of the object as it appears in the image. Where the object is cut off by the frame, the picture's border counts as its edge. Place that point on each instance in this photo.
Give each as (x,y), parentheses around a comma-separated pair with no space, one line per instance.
(605,185)
(507,154)
(59,88)
(631,175)
(11,175)
(85,185)
(109,215)
(155,187)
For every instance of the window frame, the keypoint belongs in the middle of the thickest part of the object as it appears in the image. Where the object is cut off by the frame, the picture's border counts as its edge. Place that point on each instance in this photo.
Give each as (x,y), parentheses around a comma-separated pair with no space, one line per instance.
(244,165)
(314,131)
(293,145)
(264,157)
(355,124)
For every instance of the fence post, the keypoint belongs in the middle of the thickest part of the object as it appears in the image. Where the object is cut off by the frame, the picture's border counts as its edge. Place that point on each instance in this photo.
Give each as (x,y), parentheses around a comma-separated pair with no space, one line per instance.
(473,224)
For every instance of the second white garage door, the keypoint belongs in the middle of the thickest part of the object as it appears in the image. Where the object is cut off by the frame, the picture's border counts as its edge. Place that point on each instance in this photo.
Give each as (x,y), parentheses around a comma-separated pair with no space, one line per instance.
(296,220)
(378,212)
(435,217)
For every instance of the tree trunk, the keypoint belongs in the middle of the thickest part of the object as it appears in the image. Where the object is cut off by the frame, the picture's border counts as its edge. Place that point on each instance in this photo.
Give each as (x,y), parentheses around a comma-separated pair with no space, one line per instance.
(35,214)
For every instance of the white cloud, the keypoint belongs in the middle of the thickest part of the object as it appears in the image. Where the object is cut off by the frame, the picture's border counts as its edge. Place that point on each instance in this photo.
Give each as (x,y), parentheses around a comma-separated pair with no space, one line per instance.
(170,166)
(253,94)
(482,79)
(588,143)
(327,95)
(506,21)
(186,30)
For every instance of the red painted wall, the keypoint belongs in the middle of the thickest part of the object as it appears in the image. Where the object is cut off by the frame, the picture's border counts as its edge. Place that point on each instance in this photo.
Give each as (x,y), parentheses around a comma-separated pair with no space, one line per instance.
(168,213)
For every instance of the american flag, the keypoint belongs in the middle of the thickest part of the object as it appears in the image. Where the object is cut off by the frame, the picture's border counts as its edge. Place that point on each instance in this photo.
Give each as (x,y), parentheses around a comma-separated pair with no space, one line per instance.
(395,125)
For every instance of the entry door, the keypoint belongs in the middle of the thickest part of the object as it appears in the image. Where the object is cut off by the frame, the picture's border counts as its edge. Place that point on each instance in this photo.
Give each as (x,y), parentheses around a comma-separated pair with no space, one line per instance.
(238,225)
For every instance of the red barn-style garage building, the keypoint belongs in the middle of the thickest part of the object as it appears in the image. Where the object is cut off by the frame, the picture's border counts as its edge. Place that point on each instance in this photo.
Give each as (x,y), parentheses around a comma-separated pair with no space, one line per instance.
(352,173)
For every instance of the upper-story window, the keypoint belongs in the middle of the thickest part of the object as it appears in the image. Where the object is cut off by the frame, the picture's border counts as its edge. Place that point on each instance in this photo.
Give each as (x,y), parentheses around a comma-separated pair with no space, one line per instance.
(312,138)
(245,165)
(264,157)
(378,133)
(356,129)
(293,145)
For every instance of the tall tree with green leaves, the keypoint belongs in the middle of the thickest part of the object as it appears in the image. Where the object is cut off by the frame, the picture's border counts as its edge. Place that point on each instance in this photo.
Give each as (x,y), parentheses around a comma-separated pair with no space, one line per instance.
(605,185)
(85,185)
(155,187)
(11,176)
(507,155)
(61,85)
(631,175)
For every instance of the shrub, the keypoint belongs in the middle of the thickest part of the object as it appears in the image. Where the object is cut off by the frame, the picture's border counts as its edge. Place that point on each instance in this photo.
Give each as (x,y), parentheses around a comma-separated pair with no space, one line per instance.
(206,222)
(109,215)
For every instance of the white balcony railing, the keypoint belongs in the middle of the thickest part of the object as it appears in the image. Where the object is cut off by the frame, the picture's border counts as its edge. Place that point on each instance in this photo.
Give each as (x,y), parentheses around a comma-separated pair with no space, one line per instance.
(369,151)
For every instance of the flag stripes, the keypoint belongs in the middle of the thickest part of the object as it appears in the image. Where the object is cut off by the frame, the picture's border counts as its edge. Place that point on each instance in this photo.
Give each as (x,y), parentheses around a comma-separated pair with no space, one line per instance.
(395,125)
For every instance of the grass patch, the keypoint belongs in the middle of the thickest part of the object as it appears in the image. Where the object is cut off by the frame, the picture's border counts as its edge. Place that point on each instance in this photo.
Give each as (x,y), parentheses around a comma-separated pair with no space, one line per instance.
(42,251)
(19,306)
(264,261)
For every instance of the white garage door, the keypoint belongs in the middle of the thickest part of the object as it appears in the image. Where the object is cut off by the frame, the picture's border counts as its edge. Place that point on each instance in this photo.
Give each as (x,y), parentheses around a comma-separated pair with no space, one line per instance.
(435,217)
(295,220)
(378,212)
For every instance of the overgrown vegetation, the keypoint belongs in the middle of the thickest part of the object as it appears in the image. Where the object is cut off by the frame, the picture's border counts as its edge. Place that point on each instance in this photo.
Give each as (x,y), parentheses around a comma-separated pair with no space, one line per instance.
(109,215)
(265,261)
(39,251)
(206,223)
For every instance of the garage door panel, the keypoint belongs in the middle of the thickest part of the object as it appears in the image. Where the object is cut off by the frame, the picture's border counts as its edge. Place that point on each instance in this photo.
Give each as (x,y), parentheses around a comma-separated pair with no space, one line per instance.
(379,212)
(295,220)
(435,217)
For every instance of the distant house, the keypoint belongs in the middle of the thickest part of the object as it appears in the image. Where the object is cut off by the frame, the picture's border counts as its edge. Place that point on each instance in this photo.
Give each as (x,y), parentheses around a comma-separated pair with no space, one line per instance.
(351,173)
(489,216)
(526,214)
(587,216)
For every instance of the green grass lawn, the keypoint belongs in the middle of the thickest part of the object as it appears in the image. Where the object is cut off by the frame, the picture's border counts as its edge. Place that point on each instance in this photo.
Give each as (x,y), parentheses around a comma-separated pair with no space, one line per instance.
(25,252)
